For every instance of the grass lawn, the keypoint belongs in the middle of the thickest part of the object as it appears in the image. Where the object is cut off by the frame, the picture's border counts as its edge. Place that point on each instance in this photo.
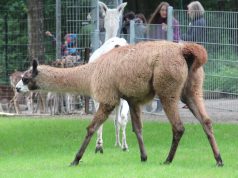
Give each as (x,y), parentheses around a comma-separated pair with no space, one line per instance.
(45,147)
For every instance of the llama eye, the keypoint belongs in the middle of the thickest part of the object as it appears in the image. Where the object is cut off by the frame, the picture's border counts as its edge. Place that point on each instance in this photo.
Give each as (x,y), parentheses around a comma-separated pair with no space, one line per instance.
(25,81)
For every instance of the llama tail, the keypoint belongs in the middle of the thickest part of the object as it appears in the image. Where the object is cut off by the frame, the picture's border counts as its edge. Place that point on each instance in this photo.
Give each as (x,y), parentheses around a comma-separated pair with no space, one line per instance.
(195,55)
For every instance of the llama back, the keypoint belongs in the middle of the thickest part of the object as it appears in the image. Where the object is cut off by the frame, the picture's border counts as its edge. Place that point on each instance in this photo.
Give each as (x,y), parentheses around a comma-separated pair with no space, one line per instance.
(138,66)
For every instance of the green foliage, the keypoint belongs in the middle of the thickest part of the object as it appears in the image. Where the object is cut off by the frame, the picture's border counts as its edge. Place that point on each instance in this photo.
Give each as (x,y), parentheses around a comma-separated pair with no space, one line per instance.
(33,147)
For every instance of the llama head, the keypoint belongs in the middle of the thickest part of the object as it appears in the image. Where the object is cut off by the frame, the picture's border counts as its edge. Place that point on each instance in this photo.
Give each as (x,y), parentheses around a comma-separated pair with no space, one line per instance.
(111,18)
(28,81)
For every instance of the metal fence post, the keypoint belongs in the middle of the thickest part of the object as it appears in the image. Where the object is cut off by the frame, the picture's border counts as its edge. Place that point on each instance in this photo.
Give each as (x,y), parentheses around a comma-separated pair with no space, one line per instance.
(170,24)
(119,2)
(121,18)
(132,32)
(58,29)
(95,15)
(6,45)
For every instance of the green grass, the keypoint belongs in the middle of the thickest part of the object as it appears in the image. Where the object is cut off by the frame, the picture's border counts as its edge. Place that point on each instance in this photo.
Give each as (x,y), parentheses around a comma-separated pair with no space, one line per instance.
(45,147)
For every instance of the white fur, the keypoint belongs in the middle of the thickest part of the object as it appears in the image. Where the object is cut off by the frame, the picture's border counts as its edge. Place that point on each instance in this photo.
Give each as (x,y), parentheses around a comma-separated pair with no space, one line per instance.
(107,46)
(121,122)
(22,88)
(111,19)
(111,25)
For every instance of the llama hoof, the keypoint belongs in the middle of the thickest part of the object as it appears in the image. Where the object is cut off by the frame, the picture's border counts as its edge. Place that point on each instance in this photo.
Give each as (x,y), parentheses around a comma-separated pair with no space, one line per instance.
(74,163)
(219,161)
(118,144)
(125,149)
(220,164)
(167,162)
(99,149)
(143,158)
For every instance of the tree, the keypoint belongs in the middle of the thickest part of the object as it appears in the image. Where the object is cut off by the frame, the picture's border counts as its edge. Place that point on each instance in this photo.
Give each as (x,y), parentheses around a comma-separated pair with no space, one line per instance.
(35,30)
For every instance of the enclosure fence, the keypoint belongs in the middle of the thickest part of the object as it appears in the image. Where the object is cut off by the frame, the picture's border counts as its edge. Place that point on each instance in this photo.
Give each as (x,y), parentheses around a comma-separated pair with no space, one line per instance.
(220,37)
(81,20)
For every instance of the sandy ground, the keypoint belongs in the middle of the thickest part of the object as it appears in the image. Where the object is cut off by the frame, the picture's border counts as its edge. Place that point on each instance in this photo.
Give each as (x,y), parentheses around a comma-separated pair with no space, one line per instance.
(222,111)
(225,111)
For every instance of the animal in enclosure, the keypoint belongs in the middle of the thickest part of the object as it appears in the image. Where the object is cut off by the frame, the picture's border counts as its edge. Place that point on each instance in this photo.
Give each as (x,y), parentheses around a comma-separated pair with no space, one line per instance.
(111,41)
(169,70)
(57,102)
(6,94)
(19,97)
(122,109)
(111,19)
(27,98)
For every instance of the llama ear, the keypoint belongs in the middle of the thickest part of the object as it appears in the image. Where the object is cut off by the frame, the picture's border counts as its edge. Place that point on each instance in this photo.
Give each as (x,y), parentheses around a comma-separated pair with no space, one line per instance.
(121,7)
(103,7)
(34,67)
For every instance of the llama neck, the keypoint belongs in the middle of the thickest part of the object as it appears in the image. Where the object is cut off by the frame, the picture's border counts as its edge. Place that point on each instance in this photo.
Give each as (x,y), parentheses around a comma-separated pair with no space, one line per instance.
(74,80)
(110,34)
(111,28)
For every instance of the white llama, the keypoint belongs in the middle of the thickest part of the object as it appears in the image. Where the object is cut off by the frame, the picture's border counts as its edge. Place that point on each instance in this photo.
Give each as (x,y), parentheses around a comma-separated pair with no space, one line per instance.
(111,25)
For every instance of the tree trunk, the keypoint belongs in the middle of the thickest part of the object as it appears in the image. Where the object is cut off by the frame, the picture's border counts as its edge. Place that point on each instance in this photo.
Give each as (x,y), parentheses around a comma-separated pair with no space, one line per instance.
(35,30)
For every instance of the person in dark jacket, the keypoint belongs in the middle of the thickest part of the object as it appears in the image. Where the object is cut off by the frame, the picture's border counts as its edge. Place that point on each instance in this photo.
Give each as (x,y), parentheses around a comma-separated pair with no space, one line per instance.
(140,28)
(196,30)
(126,22)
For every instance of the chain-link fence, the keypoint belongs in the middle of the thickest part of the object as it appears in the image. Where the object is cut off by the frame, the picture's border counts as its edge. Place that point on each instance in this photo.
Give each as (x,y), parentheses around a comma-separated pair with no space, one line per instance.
(76,25)
(219,35)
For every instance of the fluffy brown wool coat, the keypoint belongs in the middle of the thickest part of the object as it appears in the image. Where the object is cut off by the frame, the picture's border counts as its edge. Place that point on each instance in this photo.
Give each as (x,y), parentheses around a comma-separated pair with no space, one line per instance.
(136,71)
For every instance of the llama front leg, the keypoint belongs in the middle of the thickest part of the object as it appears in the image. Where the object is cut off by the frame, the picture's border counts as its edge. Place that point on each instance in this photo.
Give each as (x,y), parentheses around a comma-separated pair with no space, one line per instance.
(99,141)
(117,126)
(100,116)
(123,119)
(124,143)
(137,128)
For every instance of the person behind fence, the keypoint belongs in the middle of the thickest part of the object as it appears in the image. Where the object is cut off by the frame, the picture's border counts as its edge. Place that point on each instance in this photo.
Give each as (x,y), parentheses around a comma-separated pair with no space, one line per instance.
(69,45)
(159,17)
(159,31)
(196,28)
(140,27)
(126,22)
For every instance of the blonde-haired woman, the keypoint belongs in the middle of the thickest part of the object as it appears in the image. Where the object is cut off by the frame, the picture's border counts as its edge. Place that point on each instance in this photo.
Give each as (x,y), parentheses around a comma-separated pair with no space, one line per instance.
(196,28)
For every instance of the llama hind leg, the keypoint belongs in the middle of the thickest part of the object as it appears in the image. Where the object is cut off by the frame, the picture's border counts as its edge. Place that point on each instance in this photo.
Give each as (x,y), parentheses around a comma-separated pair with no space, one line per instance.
(170,106)
(137,128)
(192,95)
(196,106)
(100,116)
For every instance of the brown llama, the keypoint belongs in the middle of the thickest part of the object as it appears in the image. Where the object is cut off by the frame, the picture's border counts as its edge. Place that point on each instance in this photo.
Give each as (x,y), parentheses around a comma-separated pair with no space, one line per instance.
(135,73)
